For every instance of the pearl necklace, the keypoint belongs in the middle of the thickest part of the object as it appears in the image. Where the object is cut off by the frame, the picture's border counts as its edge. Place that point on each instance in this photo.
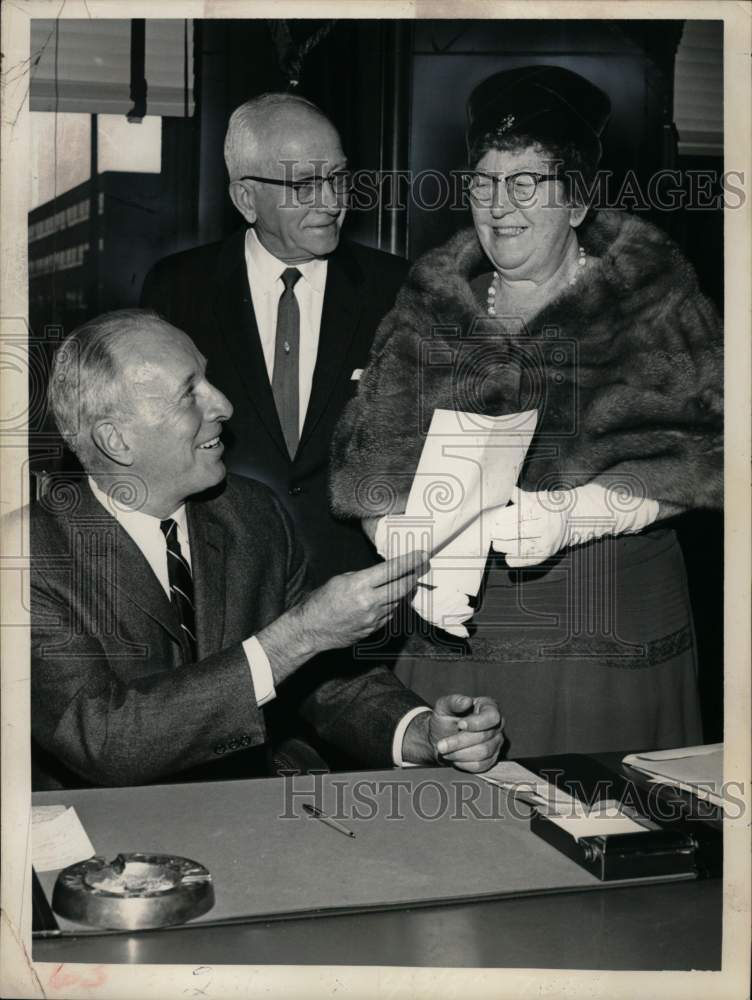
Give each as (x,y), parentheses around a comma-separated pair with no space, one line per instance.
(492,288)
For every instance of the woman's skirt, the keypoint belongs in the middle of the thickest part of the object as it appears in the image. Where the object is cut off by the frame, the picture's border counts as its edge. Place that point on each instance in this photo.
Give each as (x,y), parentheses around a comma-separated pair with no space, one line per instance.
(593,652)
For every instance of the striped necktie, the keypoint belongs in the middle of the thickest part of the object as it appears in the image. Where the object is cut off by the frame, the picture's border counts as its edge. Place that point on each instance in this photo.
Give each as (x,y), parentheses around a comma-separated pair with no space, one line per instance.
(181,586)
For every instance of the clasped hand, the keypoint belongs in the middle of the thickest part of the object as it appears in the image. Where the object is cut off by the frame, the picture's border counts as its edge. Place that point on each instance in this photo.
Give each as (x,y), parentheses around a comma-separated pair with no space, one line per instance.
(463,731)
(466,732)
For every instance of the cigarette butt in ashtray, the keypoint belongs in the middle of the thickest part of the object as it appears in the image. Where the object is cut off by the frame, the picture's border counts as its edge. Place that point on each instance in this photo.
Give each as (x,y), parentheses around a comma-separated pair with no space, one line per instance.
(134,891)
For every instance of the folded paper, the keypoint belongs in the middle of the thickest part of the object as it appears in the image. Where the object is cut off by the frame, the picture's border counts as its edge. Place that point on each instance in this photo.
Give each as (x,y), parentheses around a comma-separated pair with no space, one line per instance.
(57,838)
(696,769)
(469,463)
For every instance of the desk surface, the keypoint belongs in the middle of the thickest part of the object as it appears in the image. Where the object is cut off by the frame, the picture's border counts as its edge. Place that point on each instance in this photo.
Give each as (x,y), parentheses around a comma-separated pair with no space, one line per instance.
(672,927)
(661,926)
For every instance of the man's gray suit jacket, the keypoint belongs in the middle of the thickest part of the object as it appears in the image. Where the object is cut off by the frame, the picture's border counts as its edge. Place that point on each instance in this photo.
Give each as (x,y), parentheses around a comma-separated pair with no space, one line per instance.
(112,702)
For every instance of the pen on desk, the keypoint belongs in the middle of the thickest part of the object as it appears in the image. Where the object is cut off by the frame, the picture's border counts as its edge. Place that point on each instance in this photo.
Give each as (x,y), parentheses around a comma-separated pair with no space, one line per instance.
(317,814)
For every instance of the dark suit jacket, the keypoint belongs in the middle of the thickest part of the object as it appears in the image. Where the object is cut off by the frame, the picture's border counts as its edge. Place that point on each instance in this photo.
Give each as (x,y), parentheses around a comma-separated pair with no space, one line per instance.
(111,702)
(205,292)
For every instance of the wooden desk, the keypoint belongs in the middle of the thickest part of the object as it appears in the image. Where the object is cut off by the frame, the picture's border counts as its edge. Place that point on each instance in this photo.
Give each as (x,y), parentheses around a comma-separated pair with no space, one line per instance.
(671,926)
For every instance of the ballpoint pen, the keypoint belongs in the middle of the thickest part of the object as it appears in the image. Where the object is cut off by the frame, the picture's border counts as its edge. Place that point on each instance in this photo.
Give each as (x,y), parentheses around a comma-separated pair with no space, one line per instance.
(328,820)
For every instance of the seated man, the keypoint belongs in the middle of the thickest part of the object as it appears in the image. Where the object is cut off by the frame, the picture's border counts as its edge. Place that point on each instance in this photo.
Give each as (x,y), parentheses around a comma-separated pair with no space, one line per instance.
(168,601)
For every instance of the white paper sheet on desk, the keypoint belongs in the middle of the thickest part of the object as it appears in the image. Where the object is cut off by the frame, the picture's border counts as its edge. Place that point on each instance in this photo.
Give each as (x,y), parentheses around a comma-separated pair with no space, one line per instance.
(578,818)
(533,789)
(602,821)
(57,838)
(469,462)
(697,769)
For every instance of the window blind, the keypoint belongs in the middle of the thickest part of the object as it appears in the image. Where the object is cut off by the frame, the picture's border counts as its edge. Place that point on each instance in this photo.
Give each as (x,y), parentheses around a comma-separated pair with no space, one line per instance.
(83,66)
(698,89)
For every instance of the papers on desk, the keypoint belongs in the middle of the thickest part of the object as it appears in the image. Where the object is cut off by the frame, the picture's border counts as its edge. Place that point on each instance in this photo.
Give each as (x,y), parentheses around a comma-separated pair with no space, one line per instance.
(532,789)
(603,820)
(698,769)
(57,838)
(578,819)
(694,769)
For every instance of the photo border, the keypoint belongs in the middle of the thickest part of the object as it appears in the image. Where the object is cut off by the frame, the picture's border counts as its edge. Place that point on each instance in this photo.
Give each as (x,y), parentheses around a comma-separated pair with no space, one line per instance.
(19,976)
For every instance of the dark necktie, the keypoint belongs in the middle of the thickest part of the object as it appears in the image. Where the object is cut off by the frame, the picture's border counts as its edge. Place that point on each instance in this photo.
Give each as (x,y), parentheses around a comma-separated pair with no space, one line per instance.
(181,585)
(285,379)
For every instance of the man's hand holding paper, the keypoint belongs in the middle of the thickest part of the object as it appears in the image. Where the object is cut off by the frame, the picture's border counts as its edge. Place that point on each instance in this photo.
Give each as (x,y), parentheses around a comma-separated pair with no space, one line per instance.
(346,609)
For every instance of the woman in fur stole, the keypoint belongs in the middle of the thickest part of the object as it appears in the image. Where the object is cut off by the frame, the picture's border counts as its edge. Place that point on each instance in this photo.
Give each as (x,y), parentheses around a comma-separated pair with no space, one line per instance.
(582,629)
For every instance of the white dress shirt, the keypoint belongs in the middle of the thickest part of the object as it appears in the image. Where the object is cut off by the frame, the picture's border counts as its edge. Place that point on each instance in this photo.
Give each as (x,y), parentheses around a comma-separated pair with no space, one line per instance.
(145,531)
(265,280)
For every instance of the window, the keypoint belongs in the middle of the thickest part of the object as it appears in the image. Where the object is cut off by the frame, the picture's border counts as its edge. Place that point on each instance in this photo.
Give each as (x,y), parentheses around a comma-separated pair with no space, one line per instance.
(698,89)
(93,58)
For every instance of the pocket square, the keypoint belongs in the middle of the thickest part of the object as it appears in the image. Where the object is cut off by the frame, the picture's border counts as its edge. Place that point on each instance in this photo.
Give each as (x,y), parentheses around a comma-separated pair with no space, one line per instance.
(355,377)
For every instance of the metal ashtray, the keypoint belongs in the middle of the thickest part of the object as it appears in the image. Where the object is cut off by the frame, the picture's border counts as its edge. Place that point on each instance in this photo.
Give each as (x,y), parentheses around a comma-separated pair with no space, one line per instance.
(134,891)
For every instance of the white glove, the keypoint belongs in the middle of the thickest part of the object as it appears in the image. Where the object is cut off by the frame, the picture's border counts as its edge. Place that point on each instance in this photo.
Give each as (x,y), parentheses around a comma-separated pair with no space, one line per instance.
(398,534)
(538,524)
(444,606)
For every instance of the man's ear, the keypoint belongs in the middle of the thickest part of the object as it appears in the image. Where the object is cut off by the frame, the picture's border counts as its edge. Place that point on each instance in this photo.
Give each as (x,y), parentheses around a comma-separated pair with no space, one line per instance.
(243,198)
(110,441)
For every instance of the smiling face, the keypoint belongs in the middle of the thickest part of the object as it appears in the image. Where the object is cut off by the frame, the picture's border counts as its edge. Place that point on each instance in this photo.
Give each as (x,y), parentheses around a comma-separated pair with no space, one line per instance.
(526,241)
(299,145)
(174,417)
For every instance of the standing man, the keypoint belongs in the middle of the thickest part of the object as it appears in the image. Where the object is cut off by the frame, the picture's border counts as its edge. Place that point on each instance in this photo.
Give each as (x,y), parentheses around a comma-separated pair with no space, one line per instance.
(285,312)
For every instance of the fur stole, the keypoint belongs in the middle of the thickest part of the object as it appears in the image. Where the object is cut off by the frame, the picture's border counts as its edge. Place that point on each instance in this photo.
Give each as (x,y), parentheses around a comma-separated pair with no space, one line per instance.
(625,369)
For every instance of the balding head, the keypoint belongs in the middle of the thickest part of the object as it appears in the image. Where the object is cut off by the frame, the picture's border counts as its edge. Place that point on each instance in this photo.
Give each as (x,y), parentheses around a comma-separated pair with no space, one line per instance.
(259,127)
(288,175)
(129,393)
(85,383)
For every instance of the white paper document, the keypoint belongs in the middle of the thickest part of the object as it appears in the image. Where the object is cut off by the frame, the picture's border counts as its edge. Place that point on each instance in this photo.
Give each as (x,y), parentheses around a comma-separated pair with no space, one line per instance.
(533,789)
(697,769)
(57,838)
(578,818)
(469,463)
(603,820)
